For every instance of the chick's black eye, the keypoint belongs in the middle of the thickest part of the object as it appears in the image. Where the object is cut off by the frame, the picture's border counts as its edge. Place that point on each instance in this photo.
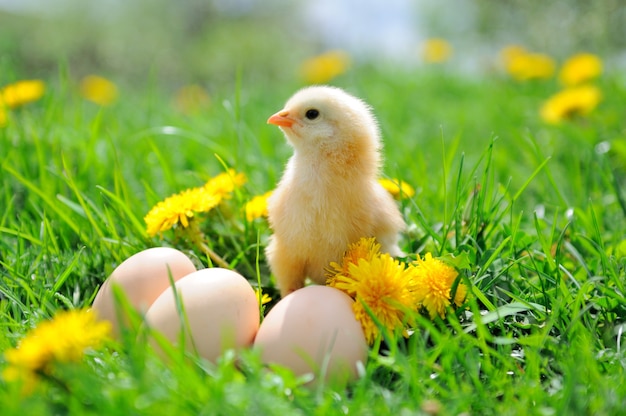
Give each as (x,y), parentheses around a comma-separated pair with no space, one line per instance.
(312,114)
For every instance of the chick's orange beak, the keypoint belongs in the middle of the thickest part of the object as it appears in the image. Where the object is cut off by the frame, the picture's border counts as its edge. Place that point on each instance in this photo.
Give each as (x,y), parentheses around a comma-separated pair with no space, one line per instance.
(281,119)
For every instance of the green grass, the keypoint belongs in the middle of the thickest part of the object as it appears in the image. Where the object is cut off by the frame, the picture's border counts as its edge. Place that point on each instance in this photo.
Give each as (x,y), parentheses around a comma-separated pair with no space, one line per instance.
(538,210)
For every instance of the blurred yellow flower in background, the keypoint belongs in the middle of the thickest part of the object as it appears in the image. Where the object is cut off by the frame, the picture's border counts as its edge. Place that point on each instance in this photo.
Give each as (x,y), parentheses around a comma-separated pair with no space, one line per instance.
(571,102)
(436,50)
(322,68)
(191,99)
(21,92)
(257,206)
(580,68)
(98,90)
(17,94)
(433,285)
(397,188)
(510,52)
(63,339)
(523,65)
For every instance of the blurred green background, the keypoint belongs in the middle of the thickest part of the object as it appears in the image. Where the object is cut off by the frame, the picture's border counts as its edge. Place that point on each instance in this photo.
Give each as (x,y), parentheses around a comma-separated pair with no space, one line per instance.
(211,41)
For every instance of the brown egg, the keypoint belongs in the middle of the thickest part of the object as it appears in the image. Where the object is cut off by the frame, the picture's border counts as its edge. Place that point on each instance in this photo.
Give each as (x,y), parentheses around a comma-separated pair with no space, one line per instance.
(221,309)
(142,277)
(314,330)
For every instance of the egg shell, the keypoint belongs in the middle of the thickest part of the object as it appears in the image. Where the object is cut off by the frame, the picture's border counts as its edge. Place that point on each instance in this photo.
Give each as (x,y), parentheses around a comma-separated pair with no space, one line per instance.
(314,330)
(142,278)
(221,309)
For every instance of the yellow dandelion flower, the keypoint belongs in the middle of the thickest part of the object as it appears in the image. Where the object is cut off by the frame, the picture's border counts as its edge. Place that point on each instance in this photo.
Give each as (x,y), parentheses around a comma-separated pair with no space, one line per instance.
(3,117)
(21,92)
(98,90)
(63,339)
(382,285)
(511,52)
(397,188)
(580,68)
(436,50)
(262,298)
(523,65)
(257,206)
(225,183)
(178,209)
(33,354)
(569,103)
(365,248)
(433,281)
(191,99)
(322,68)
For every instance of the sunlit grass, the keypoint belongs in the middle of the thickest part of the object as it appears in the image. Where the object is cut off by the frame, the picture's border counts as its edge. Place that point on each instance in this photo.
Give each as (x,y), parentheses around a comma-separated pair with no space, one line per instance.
(537,209)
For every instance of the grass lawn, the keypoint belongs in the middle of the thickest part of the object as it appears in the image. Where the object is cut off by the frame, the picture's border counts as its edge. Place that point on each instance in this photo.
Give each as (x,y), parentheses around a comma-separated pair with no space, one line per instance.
(539,211)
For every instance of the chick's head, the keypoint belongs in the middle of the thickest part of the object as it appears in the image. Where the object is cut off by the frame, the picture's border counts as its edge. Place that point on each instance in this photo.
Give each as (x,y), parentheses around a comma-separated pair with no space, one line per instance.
(323,116)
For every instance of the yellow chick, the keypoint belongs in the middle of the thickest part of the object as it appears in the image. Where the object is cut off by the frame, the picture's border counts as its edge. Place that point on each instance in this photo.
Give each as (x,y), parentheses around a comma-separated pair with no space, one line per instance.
(329,195)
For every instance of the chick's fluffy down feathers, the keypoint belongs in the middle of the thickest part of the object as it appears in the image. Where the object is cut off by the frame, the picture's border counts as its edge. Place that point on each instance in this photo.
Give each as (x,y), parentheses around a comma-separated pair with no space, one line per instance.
(329,195)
